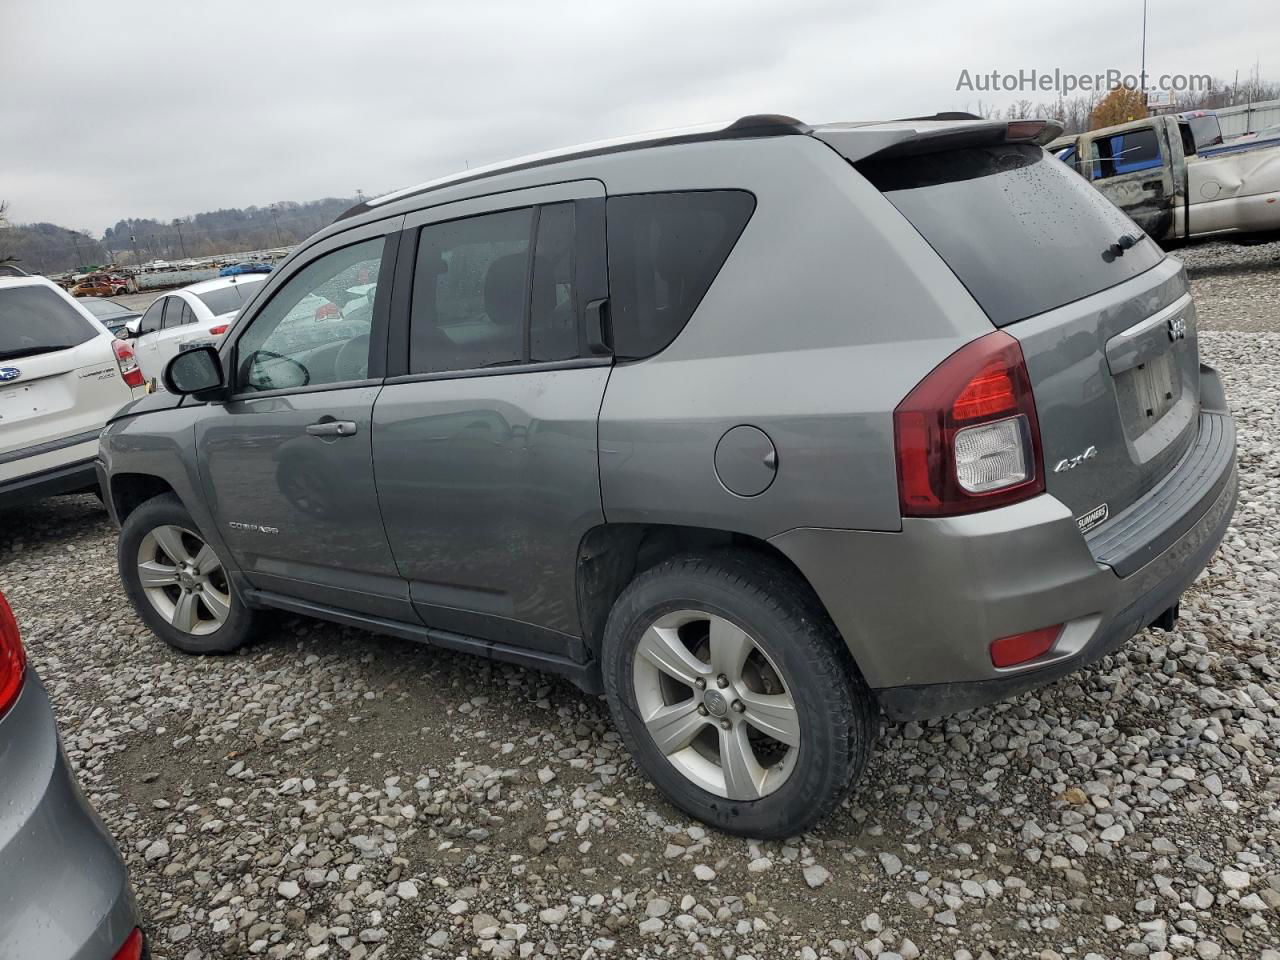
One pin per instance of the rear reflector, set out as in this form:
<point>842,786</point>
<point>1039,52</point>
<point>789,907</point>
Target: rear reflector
<point>132,949</point>
<point>219,330</point>
<point>1021,647</point>
<point>13,659</point>
<point>128,364</point>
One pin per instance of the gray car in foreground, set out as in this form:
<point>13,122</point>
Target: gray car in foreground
<point>760,429</point>
<point>64,893</point>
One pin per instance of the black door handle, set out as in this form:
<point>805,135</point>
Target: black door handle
<point>599,332</point>
<point>332,428</point>
<point>1153,185</point>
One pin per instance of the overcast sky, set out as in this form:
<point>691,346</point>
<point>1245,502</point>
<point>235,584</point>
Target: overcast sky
<point>163,109</point>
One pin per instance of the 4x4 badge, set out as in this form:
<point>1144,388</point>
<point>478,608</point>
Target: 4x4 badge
<point>1070,463</point>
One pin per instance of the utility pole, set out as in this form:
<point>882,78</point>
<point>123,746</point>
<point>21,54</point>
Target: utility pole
<point>137,259</point>
<point>1143,74</point>
<point>177,222</point>
<point>279,239</point>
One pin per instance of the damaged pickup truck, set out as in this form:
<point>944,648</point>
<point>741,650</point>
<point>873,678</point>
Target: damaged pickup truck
<point>1177,179</point>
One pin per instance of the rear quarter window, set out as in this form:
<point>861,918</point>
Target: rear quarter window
<point>1016,226</point>
<point>665,250</point>
<point>35,320</point>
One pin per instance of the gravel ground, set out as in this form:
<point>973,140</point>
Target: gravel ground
<point>331,794</point>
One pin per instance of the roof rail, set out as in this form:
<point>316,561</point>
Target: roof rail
<point>753,125</point>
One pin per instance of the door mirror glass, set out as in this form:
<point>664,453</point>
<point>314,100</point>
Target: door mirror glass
<point>197,370</point>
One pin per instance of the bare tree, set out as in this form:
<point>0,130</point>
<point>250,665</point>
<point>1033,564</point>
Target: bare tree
<point>4,222</point>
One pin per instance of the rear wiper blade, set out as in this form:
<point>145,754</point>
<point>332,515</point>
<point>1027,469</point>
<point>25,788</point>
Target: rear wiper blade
<point>29,351</point>
<point>1118,248</point>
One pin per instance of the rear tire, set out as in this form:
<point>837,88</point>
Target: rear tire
<point>178,583</point>
<point>731,662</point>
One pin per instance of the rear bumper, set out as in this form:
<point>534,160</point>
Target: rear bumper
<point>67,478</point>
<point>63,885</point>
<point>920,608</point>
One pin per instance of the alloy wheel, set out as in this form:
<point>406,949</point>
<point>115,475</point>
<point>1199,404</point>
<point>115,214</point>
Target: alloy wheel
<point>184,580</point>
<point>716,705</point>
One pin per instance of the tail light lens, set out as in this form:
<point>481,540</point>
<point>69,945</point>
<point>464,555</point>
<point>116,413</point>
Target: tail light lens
<point>219,330</point>
<point>967,437</point>
<point>13,659</point>
<point>128,364</point>
<point>132,947</point>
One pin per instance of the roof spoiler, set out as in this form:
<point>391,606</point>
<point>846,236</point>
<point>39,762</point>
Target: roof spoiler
<point>899,139</point>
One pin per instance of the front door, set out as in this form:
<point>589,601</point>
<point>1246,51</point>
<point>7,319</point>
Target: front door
<point>485,447</point>
<point>287,461</point>
<point>1134,170</point>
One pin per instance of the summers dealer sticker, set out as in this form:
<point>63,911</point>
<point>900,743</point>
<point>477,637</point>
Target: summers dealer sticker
<point>1087,521</point>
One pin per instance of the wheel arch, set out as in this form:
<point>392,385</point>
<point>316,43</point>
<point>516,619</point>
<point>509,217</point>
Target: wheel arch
<point>128,491</point>
<point>611,555</point>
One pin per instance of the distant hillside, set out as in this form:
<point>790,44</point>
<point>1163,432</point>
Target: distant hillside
<point>50,248</point>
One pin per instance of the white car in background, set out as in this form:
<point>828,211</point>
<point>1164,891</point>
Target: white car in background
<point>62,376</point>
<point>193,316</point>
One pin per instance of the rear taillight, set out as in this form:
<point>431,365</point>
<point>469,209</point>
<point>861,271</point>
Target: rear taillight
<point>128,364</point>
<point>132,948</point>
<point>13,660</point>
<point>219,330</point>
<point>967,437</point>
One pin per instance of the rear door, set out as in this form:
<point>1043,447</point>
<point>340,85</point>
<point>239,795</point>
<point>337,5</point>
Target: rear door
<point>1106,325</point>
<point>1134,170</point>
<point>59,380</point>
<point>485,443</point>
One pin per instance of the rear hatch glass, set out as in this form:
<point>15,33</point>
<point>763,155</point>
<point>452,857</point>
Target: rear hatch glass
<point>229,298</point>
<point>35,320</point>
<point>1021,231</point>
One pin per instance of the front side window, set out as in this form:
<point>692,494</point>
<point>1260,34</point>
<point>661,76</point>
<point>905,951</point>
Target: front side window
<point>315,329</point>
<point>665,250</point>
<point>150,321</point>
<point>1125,153</point>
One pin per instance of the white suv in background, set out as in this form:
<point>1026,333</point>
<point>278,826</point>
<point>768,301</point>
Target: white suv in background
<point>62,376</point>
<point>195,315</point>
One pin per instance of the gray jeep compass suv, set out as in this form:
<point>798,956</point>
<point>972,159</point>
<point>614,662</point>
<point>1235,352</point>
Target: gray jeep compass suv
<point>758,429</point>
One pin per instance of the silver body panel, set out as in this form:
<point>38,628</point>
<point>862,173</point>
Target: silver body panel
<point>64,892</point>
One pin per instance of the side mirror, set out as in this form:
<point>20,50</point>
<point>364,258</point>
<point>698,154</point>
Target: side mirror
<point>195,371</point>
<point>131,328</point>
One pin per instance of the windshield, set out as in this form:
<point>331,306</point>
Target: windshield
<point>230,298</point>
<point>36,320</point>
<point>1020,230</point>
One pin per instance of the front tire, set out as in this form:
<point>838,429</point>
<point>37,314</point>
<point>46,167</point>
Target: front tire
<point>735,693</point>
<point>177,583</point>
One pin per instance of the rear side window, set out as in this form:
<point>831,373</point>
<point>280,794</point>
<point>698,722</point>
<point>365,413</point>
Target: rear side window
<point>36,320</point>
<point>469,293</point>
<point>1018,229</point>
<point>1125,153</point>
<point>665,249</point>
